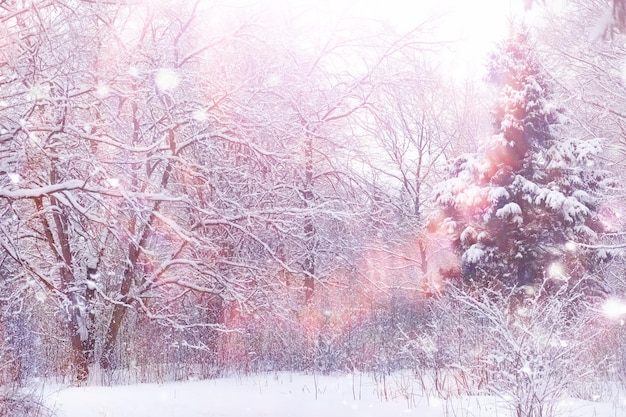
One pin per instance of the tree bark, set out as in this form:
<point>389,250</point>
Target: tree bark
<point>89,344</point>
<point>63,256</point>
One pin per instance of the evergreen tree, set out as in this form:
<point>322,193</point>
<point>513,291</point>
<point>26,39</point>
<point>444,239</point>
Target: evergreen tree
<point>524,209</point>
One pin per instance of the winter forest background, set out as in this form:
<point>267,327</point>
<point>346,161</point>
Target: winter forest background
<point>194,188</point>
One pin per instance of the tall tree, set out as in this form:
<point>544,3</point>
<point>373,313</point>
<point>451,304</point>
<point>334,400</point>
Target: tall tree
<point>525,209</point>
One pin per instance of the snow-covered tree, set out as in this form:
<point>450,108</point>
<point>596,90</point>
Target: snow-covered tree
<point>158,171</point>
<point>525,208</point>
<point>529,357</point>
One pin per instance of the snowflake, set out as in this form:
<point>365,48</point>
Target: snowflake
<point>38,92</point>
<point>166,79</point>
<point>570,246</point>
<point>614,309</point>
<point>556,271</point>
<point>133,71</point>
<point>200,115</point>
<point>113,182</point>
<point>102,90</point>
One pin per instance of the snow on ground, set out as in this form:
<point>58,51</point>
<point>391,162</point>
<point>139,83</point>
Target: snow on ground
<point>286,395</point>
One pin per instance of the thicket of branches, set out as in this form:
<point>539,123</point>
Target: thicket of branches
<point>187,189</point>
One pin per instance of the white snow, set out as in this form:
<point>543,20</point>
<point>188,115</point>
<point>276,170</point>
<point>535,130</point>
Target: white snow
<point>511,210</point>
<point>470,196</point>
<point>555,199</point>
<point>39,191</point>
<point>601,26</point>
<point>468,234</point>
<point>289,395</point>
<point>497,193</point>
<point>92,262</point>
<point>14,178</point>
<point>474,254</point>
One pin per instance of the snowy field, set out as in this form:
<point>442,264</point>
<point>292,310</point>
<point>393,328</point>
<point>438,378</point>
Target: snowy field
<point>289,395</point>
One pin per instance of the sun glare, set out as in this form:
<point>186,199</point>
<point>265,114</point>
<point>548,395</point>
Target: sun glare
<point>474,28</point>
<point>469,29</point>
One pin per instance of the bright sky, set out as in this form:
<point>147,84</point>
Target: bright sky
<point>472,26</point>
<point>475,26</point>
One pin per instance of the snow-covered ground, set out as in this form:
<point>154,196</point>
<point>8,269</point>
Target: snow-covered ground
<point>283,395</point>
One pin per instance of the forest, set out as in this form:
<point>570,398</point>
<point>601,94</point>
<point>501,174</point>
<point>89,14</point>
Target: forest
<point>205,188</point>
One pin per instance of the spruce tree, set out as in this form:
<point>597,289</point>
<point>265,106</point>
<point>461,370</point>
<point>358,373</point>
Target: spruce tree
<point>523,211</point>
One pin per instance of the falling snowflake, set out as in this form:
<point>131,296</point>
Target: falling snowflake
<point>556,271</point>
<point>166,79</point>
<point>40,296</point>
<point>38,92</point>
<point>113,182</point>
<point>200,115</point>
<point>102,90</point>
<point>522,311</point>
<point>614,309</point>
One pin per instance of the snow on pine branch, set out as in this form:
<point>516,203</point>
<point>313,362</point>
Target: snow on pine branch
<point>511,210</point>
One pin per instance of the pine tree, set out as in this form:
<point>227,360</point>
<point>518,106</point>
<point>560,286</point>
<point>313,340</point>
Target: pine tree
<point>523,211</point>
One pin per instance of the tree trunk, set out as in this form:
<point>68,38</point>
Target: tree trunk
<point>63,255</point>
<point>89,344</point>
<point>309,228</point>
<point>134,250</point>
<point>119,310</point>
<point>80,357</point>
